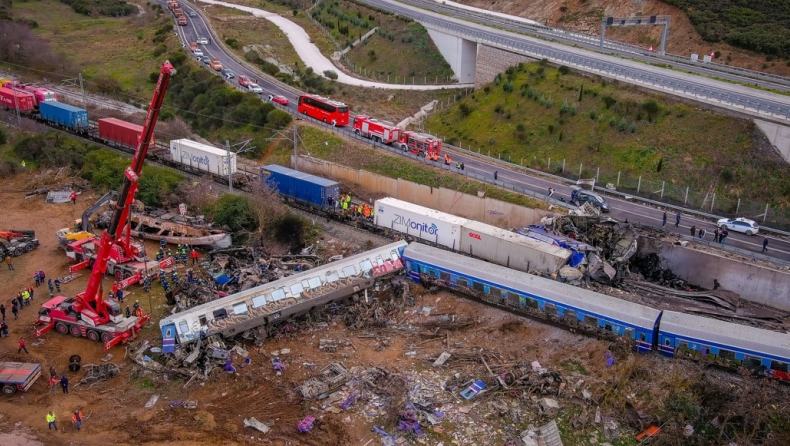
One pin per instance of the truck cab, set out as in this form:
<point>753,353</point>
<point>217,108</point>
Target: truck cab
<point>579,196</point>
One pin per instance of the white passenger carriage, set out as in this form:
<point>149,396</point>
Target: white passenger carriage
<point>275,301</point>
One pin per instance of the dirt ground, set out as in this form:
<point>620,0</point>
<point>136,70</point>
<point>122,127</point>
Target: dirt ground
<point>115,412</point>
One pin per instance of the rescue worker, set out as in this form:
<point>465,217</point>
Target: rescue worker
<point>9,263</point>
<point>458,166</point>
<point>25,298</point>
<point>194,254</point>
<point>51,288</point>
<point>128,311</point>
<point>73,197</point>
<point>162,243</point>
<point>57,285</point>
<point>345,208</point>
<point>51,420</point>
<point>64,383</point>
<point>447,159</point>
<point>76,418</point>
<point>147,284</point>
<point>119,296</point>
<point>159,255</point>
<point>366,211</point>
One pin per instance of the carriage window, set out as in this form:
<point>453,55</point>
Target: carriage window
<point>365,265</point>
<point>278,294</point>
<point>532,302</point>
<point>779,366</point>
<point>379,261</point>
<point>315,282</point>
<point>461,281</point>
<point>296,289</point>
<point>752,362</point>
<point>258,301</point>
<point>349,271</point>
<point>571,315</point>
<point>394,256</point>
<point>683,345</point>
<point>668,342</point>
<point>589,320</point>
<point>219,314</point>
<point>607,327</point>
<point>240,308</point>
<point>477,286</point>
<point>183,326</point>
<point>642,337</point>
<point>444,276</point>
<point>494,291</point>
<point>169,333</point>
<point>435,273</point>
<point>332,276</point>
<point>550,308</point>
<point>202,320</point>
<point>306,285</point>
<point>726,354</point>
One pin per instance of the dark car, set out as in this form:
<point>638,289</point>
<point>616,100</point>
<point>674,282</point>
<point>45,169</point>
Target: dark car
<point>227,74</point>
<point>579,196</point>
<point>206,60</point>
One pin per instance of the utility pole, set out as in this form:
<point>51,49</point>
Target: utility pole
<point>296,150</point>
<point>82,89</point>
<point>16,105</point>
<point>228,163</point>
<point>230,176</point>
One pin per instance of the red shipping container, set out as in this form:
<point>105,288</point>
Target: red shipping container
<point>121,132</point>
<point>25,101</point>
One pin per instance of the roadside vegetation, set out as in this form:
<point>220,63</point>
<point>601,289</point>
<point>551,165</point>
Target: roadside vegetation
<point>762,26</point>
<point>111,8</point>
<point>551,119</point>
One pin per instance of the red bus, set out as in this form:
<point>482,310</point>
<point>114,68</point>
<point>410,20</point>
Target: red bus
<point>324,109</point>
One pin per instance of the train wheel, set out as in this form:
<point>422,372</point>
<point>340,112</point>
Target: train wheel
<point>61,328</point>
<point>75,331</point>
<point>106,337</point>
<point>93,336</point>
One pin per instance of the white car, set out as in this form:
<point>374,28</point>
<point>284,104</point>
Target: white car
<point>255,88</point>
<point>198,53</point>
<point>748,227</point>
<point>202,41</point>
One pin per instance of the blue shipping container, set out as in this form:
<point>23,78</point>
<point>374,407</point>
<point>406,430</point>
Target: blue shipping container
<point>299,185</point>
<point>64,114</point>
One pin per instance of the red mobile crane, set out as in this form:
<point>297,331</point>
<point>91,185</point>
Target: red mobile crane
<point>88,313</point>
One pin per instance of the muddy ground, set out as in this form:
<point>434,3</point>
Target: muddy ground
<point>403,340</point>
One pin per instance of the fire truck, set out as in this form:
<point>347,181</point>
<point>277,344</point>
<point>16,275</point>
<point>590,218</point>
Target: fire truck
<point>379,131</point>
<point>88,313</point>
<point>422,144</point>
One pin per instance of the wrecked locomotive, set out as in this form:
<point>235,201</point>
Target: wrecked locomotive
<point>763,352</point>
<point>277,301</point>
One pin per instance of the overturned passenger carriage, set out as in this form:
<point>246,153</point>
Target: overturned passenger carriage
<point>276,301</point>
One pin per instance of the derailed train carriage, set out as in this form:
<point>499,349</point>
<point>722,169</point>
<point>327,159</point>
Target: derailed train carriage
<point>735,346</point>
<point>277,301</point>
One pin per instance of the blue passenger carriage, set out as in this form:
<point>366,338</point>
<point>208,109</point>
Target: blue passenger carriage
<point>547,299</point>
<point>732,345</point>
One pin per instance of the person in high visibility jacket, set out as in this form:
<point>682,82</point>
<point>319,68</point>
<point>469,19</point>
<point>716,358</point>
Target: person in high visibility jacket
<point>447,159</point>
<point>366,211</point>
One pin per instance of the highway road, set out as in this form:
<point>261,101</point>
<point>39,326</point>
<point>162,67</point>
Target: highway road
<point>621,209</point>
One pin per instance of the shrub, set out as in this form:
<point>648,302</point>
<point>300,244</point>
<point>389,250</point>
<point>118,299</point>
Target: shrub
<point>233,43</point>
<point>609,101</point>
<point>573,110</point>
<point>563,70</point>
<point>530,93</point>
<point>633,127</point>
<point>508,86</point>
<point>236,212</point>
<point>565,107</point>
<point>159,50</point>
<point>465,109</point>
<point>331,74</point>
<point>612,121</point>
<point>521,127</point>
<point>549,103</point>
<point>591,114</point>
<point>651,108</point>
<point>623,125</point>
<point>551,129</point>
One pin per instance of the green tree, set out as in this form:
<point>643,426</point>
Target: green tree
<point>609,101</point>
<point>651,108</point>
<point>236,212</point>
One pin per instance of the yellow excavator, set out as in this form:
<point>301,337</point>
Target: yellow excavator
<point>82,227</point>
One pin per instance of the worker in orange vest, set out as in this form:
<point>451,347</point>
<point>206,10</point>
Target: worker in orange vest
<point>447,159</point>
<point>366,211</point>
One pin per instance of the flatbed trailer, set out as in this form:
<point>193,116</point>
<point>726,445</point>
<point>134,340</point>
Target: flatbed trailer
<point>18,376</point>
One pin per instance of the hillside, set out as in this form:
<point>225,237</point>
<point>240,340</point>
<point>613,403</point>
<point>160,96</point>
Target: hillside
<point>684,39</point>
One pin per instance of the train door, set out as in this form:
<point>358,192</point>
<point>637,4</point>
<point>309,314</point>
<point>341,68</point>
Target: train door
<point>169,338</point>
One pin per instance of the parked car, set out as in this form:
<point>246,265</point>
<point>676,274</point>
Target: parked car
<point>198,53</point>
<point>244,80</point>
<point>748,227</point>
<point>202,40</point>
<point>255,88</point>
<point>227,74</point>
<point>579,196</point>
<point>206,60</point>
<point>282,100</point>
<point>193,46</point>
<point>216,65</point>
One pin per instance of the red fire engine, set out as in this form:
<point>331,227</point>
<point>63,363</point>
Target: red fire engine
<point>421,144</point>
<point>379,131</point>
<point>88,313</point>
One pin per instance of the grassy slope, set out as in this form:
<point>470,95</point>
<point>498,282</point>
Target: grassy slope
<point>700,149</point>
<point>119,48</point>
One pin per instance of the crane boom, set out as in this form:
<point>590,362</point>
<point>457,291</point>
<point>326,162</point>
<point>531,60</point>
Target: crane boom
<point>90,303</point>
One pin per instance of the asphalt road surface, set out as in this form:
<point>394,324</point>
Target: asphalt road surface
<point>620,209</point>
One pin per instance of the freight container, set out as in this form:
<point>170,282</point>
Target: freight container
<point>202,157</point>
<point>17,99</point>
<point>299,185</point>
<point>419,222</point>
<point>511,249</point>
<point>66,115</point>
<point>121,132</point>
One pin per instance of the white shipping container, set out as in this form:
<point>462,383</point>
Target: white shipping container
<point>202,157</point>
<point>511,249</point>
<point>419,222</point>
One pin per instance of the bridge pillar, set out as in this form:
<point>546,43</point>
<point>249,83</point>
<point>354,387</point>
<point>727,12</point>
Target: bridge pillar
<point>460,53</point>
